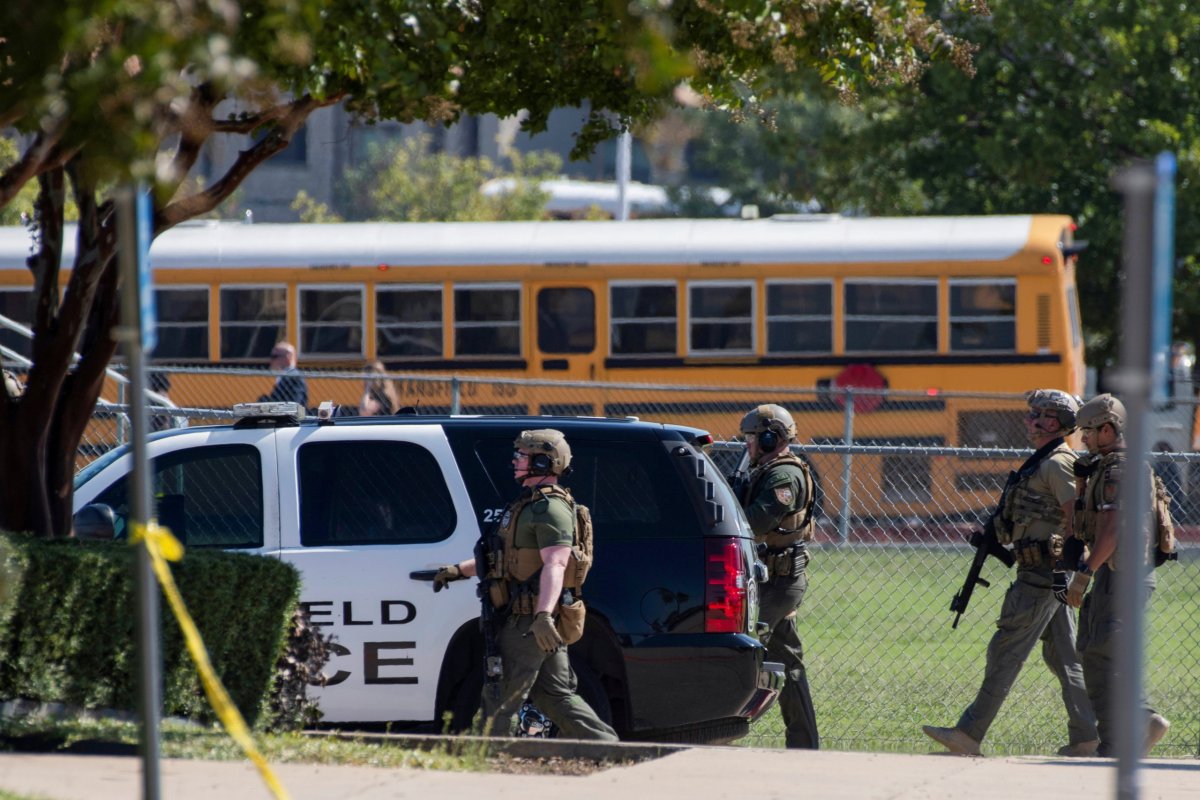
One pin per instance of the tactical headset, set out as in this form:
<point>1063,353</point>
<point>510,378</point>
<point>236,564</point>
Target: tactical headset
<point>769,439</point>
<point>540,462</point>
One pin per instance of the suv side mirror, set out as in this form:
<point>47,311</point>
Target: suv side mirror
<point>94,523</point>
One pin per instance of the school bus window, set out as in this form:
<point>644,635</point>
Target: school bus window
<point>408,321</point>
<point>799,317</point>
<point>992,428</point>
<point>17,305</point>
<point>331,320</point>
<point>487,320</point>
<point>898,316</point>
<point>644,319</point>
<point>253,319</point>
<point>182,324</point>
<point>720,317</point>
<point>566,320</point>
<point>907,479</point>
<point>983,314</point>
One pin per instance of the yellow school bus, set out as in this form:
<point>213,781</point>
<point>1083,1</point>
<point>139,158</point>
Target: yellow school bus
<point>931,305</point>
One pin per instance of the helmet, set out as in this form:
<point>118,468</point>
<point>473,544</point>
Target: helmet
<point>1101,409</point>
<point>549,453</point>
<point>1054,400</point>
<point>772,423</point>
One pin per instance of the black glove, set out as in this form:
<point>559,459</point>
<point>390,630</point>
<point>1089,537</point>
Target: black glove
<point>446,575</point>
<point>1060,586</point>
<point>1161,558</point>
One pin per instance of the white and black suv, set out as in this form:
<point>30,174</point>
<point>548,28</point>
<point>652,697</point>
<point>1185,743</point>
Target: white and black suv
<point>357,504</point>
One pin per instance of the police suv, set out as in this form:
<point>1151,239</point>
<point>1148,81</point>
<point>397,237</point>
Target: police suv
<point>358,505</point>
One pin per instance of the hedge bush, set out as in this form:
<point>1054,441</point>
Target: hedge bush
<point>68,619</point>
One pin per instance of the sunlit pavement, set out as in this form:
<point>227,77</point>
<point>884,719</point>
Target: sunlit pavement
<point>711,772</point>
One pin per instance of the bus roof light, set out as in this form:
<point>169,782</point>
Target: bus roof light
<point>932,391</point>
<point>1047,260</point>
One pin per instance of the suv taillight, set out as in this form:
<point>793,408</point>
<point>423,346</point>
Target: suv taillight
<point>725,588</point>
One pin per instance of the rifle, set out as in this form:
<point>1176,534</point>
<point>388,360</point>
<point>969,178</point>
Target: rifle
<point>490,617</point>
<point>985,541</point>
<point>985,544</point>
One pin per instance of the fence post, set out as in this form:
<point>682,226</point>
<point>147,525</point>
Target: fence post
<point>123,419</point>
<point>455,396</point>
<point>847,462</point>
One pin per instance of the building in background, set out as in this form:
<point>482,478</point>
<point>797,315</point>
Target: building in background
<point>332,140</point>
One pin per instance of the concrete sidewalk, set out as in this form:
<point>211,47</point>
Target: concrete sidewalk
<point>702,772</point>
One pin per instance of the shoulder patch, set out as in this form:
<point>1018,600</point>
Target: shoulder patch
<point>784,495</point>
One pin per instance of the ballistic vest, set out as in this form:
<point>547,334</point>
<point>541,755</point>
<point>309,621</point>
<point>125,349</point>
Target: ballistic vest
<point>520,564</point>
<point>1029,513</point>
<point>1108,471</point>
<point>797,525</point>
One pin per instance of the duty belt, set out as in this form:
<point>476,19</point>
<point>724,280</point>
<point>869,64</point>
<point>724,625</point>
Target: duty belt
<point>778,539</point>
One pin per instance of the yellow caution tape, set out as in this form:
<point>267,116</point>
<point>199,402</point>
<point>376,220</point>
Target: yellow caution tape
<point>162,546</point>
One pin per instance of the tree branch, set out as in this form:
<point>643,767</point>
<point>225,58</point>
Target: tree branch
<point>46,262</point>
<point>195,126</point>
<point>293,116</point>
<point>32,162</point>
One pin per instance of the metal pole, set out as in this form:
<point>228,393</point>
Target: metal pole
<point>624,167</point>
<point>1163,274</point>
<point>1137,184</point>
<point>123,418</point>
<point>847,462</point>
<point>455,396</point>
<point>149,658</point>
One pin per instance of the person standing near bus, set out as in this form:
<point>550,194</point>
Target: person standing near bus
<point>379,398</point>
<point>290,386</point>
<point>1102,420</point>
<point>1035,512</point>
<point>778,500</point>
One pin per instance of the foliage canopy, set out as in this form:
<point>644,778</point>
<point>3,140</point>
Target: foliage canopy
<point>1064,95</point>
<point>107,91</point>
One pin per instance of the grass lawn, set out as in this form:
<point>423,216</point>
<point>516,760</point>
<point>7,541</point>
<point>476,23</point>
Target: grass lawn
<point>883,660</point>
<point>182,740</point>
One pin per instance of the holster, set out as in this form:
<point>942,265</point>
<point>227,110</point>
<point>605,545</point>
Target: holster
<point>786,561</point>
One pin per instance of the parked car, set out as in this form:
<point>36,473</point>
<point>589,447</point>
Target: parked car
<point>670,650</point>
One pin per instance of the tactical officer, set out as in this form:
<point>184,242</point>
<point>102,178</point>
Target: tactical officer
<point>1102,420</point>
<point>537,530</point>
<point>778,500</point>
<point>1033,515</point>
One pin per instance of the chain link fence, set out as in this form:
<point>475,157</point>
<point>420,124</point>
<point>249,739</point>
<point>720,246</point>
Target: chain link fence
<point>902,481</point>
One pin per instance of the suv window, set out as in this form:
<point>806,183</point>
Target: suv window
<point>372,493</point>
<point>616,480</point>
<point>208,496</point>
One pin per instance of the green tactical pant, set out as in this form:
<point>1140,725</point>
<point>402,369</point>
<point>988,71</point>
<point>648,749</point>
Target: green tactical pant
<point>778,598</point>
<point>546,678</point>
<point>1098,625</point>
<point>1031,612</point>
